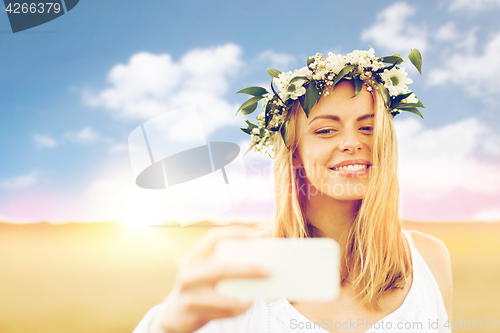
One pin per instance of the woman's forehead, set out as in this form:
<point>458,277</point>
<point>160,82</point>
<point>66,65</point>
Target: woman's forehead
<point>341,104</point>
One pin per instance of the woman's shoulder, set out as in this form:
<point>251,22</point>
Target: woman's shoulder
<point>437,257</point>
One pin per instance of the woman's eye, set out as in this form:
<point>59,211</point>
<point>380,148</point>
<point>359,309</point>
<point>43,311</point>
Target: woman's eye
<point>367,128</point>
<point>325,131</point>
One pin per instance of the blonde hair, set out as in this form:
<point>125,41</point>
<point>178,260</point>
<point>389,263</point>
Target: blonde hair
<point>374,253</point>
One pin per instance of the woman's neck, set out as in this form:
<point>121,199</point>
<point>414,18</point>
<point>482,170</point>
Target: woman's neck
<point>331,218</point>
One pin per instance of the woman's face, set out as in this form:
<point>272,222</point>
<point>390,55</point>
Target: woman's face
<point>335,145</point>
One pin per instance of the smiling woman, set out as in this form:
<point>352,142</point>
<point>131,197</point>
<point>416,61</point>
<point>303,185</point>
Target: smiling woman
<point>335,172</point>
<point>343,131</point>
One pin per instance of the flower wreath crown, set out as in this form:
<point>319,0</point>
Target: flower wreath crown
<point>319,77</point>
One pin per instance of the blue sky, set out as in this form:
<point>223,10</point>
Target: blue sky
<point>74,88</point>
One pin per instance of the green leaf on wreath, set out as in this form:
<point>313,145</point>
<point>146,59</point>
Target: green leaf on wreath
<point>251,126</point>
<point>297,78</point>
<point>395,58</point>
<point>311,97</point>
<point>310,60</point>
<point>246,130</point>
<point>410,105</point>
<point>267,113</point>
<point>413,110</point>
<point>254,91</point>
<point>405,107</point>
<point>248,105</point>
<point>346,70</point>
<point>273,72</point>
<point>385,94</point>
<point>397,99</point>
<point>249,109</point>
<point>416,59</point>
<point>358,85</point>
<point>283,130</point>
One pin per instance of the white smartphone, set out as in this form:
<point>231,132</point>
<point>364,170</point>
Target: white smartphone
<point>303,269</point>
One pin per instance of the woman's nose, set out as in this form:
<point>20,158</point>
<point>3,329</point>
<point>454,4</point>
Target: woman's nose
<point>350,142</point>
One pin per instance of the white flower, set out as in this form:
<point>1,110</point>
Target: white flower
<point>295,89</point>
<point>298,92</point>
<point>304,71</point>
<point>321,71</point>
<point>363,56</point>
<point>396,76</point>
<point>282,81</point>
<point>256,131</point>
<point>335,63</point>
<point>394,91</point>
<point>376,65</point>
<point>411,99</point>
<point>395,80</point>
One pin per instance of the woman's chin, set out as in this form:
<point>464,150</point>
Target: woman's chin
<point>347,197</point>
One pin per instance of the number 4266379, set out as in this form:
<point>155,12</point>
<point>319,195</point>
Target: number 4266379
<point>40,8</point>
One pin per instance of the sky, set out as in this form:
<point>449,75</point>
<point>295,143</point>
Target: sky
<point>73,89</point>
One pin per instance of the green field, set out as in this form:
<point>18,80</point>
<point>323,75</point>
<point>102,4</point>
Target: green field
<point>100,277</point>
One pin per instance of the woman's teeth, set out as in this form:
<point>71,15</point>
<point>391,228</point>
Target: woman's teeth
<point>352,167</point>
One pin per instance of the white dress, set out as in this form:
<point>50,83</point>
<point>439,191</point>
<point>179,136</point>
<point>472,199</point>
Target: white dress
<point>423,310</point>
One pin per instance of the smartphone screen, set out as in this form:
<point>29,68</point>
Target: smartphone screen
<point>304,269</point>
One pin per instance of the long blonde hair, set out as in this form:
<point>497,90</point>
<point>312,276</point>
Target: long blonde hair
<point>374,254</point>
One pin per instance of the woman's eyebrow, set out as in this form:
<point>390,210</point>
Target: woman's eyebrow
<point>327,116</point>
<point>370,115</point>
<point>332,117</point>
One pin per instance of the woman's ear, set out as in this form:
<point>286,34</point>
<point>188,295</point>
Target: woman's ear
<point>297,163</point>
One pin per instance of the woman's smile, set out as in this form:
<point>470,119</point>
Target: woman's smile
<point>360,173</point>
<point>352,168</point>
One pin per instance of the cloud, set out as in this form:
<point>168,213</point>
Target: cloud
<point>273,59</point>
<point>476,73</point>
<point>44,141</point>
<point>473,5</point>
<point>394,33</point>
<point>462,155</point>
<point>118,148</point>
<point>86,135</point>
<point>152,84</point>
<point>447,32</point>
<point>19,181</point>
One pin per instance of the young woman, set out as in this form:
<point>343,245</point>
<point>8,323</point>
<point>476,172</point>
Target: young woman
<point>335,169</point>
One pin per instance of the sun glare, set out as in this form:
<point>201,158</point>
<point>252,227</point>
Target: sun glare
<point>139,226</point>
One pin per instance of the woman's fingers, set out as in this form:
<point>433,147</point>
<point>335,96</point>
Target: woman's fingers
<point>214,305</point>
<point>210,272</point>
<point>190,311</point>
<point>204,247</point>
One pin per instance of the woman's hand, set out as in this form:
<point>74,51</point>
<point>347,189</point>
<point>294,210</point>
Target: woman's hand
<point>193,301</point>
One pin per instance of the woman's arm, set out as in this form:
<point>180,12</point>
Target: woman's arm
<point>437,257</point>
<point>193,302</point>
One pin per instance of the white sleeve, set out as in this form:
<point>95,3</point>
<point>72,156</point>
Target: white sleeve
<point>143,326</point>
<point>145,323</point>
<point>251,321</point>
